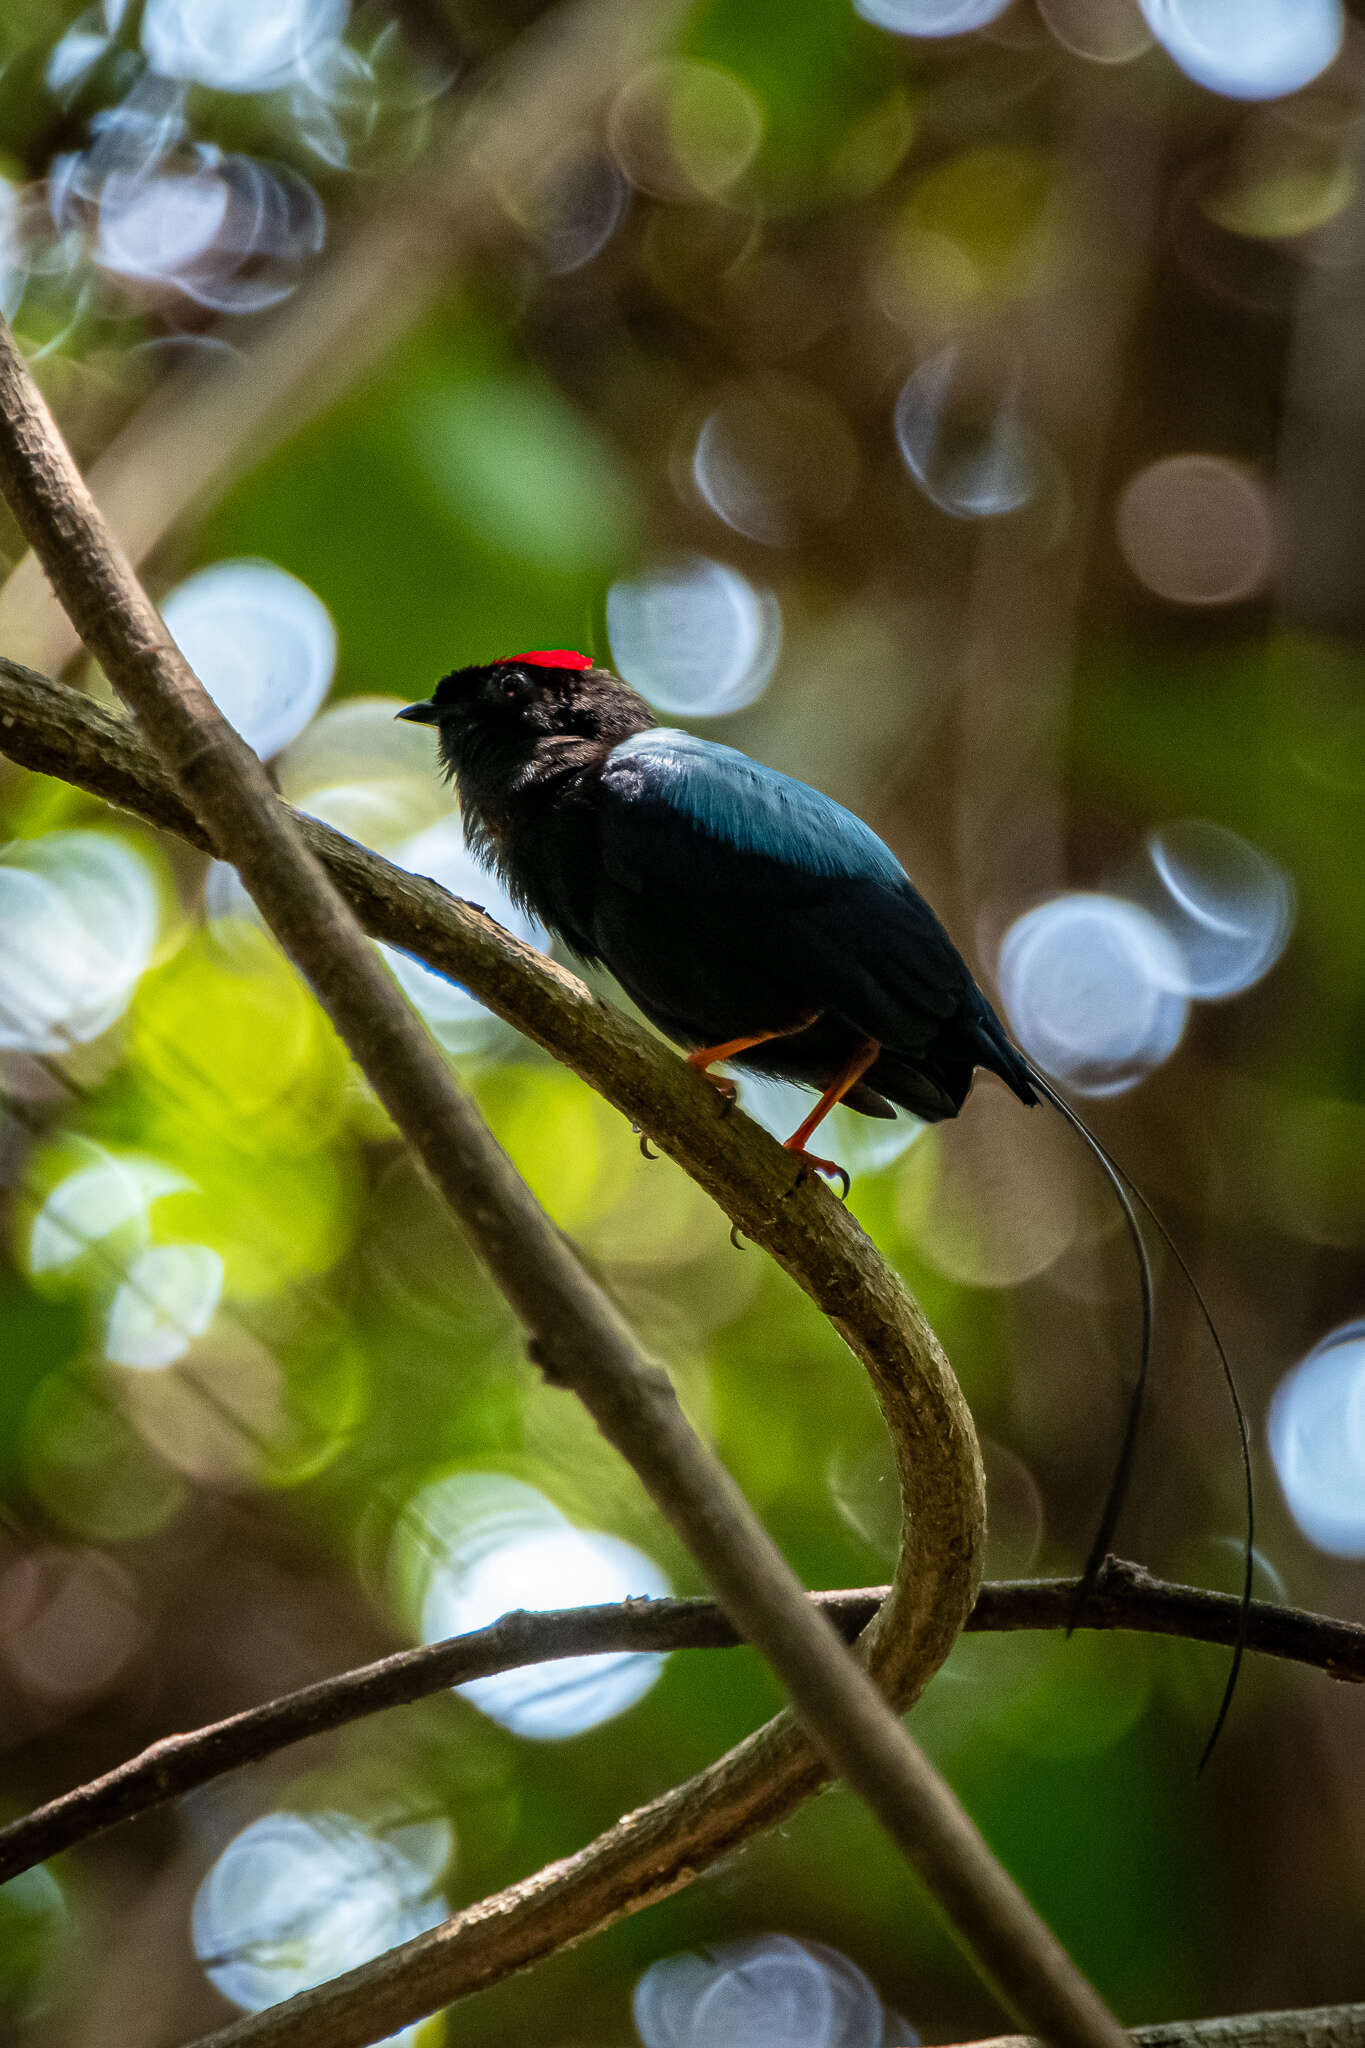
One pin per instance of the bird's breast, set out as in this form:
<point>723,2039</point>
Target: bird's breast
<point>545,847</point>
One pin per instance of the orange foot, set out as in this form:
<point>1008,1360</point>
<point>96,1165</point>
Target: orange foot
<point>810,1162</point>
<point>708,1056</point>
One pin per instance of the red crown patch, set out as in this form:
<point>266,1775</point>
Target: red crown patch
<point>548,657</point>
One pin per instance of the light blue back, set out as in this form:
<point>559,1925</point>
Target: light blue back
<point>756,809</point>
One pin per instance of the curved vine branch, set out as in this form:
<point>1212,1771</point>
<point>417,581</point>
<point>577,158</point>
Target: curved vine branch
<point>660,1848</point>
<point>581,1342</point>
<point>1126,1597</point>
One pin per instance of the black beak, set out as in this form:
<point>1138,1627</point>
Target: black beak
<point>425,713</point>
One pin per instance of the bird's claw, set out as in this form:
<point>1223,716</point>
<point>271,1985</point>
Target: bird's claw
<point>736,1237</point>
<point>810,1162</point>
<point>645,1150</point>
<point>726,1090</point>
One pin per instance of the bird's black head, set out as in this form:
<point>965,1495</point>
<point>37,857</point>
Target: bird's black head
<point>497,720</point>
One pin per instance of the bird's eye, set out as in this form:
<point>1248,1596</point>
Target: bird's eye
<point>513,685</point>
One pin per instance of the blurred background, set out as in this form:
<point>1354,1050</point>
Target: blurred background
<point>957,405</point>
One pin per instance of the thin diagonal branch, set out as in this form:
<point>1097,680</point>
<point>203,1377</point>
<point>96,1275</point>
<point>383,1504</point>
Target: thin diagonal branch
<point>574,1330</point>
<point>1317,2026</point>
<point>1127,1597</point>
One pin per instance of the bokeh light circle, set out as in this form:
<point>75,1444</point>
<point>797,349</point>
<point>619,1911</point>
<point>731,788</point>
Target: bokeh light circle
<point>80,913</point>
<point>768,1991</point>
<point>694,636</point>
<point>477,1545</point>
<point>364,110</point>
<point>167,1298</point>
<point>1091,986</point>
<point>13,254</point>
<point>86,1466</point>
<point>107,1197</point>
<point>226,231</point>
<point>775,458</point>
<point>1103,31</point>
<point>154,227</point>
<point>238,45</point>
<point>262,644</point>
<point>1197,530</point>
<point>366,772</point>
<point>218,1413</point>
<point>297,1898</point>
<point>167,213</point>
<point>69,1621</point>
<point>1228,906</point>
<point>864,1490</point>
<point>930,17</point>
<point>1250,50</point>
<point>980,1205</point>
<point>75,53</point>
<point>681,129</point>
<point>243,1062</point>
<point>457,1019</point>
<point>1317,1442</point>
<point>972,464</point>
<point>573,211</point>
<point>129,140</point>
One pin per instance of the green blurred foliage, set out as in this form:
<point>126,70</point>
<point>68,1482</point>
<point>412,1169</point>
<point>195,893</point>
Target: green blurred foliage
<point>1014,708</point>
<point>459,503</point>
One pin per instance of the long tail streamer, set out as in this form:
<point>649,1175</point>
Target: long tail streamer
<point>1127,1193</point>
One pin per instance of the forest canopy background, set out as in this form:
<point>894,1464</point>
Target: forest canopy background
<point>968,424</point>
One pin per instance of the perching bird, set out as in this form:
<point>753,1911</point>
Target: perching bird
<point>752,919</point>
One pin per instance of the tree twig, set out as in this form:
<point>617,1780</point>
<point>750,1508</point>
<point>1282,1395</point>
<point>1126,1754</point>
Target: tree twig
<point>1318,2026</point>
<point>574,1331</point>
<point>1127,1597</point>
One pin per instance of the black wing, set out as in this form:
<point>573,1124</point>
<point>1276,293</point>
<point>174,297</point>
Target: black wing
<point>726,885</point>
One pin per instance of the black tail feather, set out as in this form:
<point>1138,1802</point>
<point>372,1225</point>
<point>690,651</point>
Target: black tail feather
<point>1244,1442</point>
<point>995,1051</point>
<point>1118,1485</point>
<point>1123,1185</point>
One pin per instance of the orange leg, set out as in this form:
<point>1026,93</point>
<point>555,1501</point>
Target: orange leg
<point>838,1088</point>
<point>708,1055</point>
